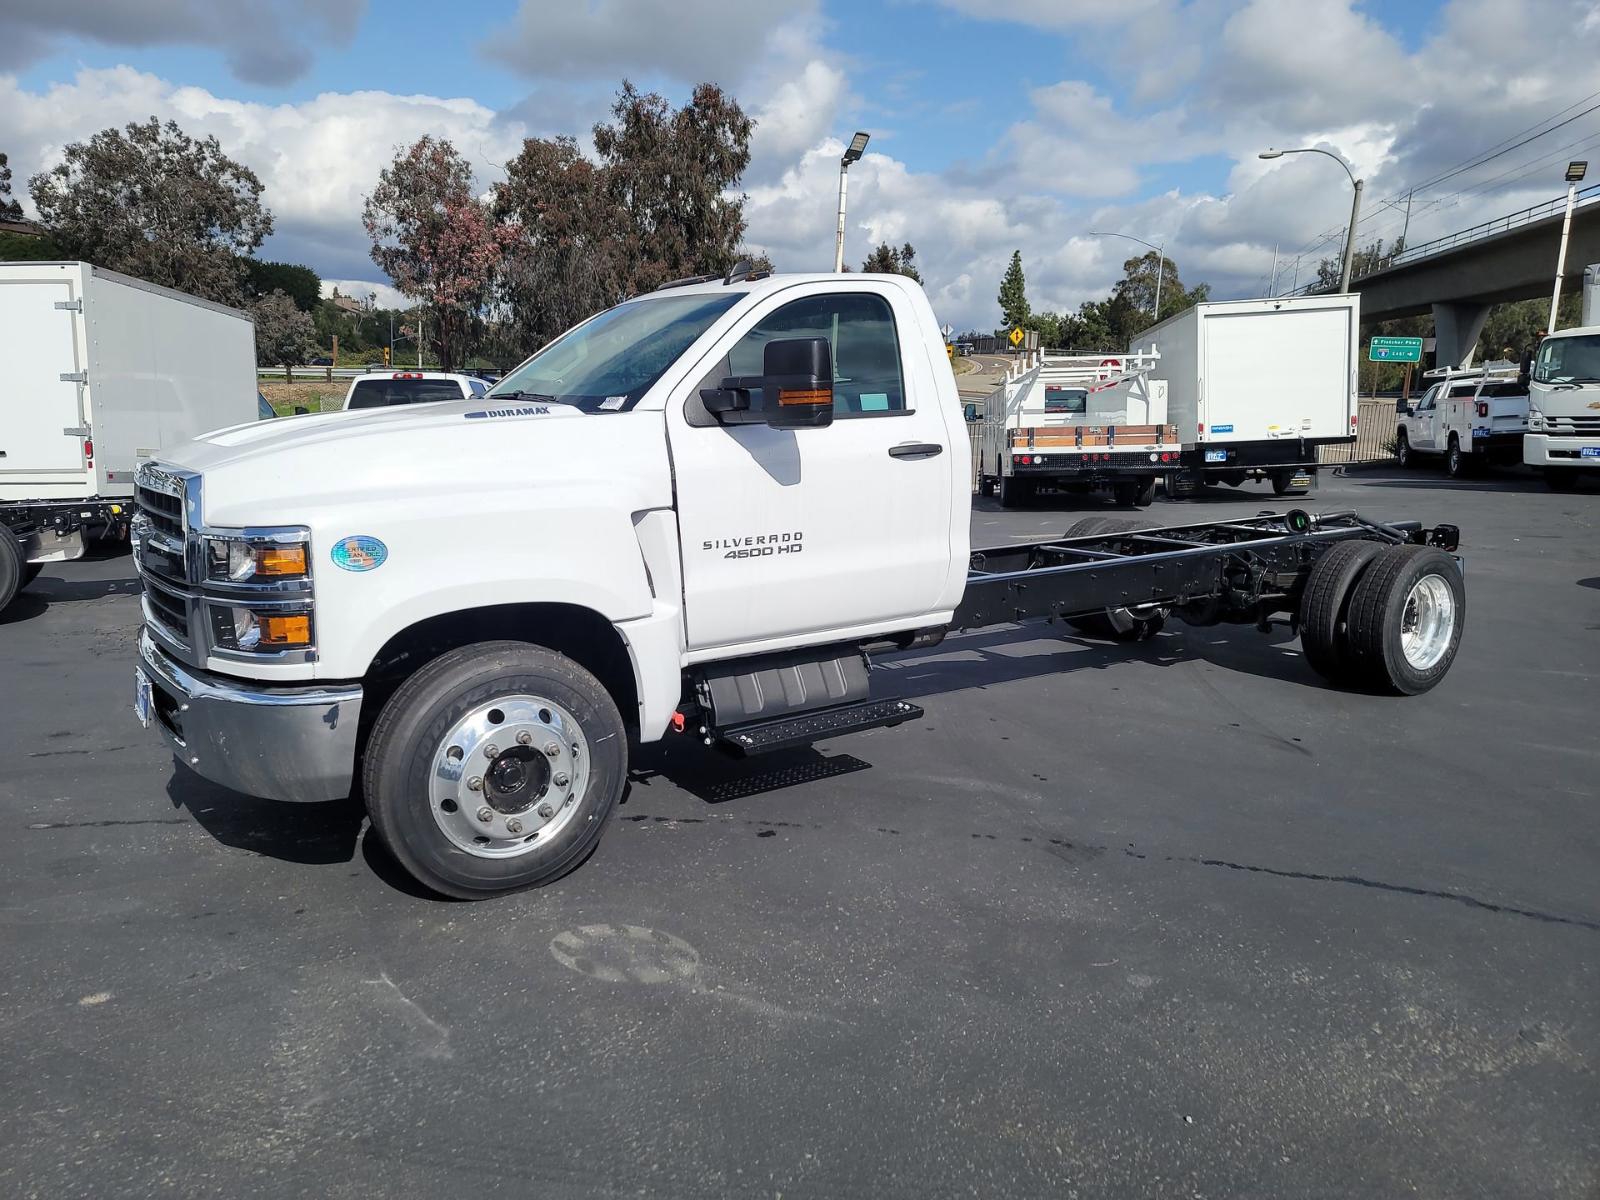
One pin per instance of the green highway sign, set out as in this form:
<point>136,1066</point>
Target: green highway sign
<point>1395,349</point>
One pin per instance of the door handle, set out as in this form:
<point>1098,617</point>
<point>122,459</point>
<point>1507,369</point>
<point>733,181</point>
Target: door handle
<point>915,450</point>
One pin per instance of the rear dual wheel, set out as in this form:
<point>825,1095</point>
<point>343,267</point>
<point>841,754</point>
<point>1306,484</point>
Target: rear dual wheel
<point>1389,618</point>
<point>1135,493</point>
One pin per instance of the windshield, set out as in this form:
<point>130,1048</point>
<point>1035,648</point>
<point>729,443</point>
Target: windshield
<point>607,363</point>
<point>1569,360</point>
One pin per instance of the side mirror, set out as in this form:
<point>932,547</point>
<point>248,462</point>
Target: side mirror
<point>972,412</point>
<point>1402,408</point>
<point>796,383</point>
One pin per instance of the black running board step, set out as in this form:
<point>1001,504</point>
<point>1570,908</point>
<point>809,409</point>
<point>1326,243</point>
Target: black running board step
<point>762,737</point>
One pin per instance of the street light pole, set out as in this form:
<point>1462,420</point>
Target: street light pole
<point>1161,263</point>
<point>1575,173</point>
<point>1355,204</point>
<point>852,153</point>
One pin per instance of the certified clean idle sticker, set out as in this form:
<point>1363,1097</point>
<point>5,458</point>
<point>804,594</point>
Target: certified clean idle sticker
<point>359,553</point>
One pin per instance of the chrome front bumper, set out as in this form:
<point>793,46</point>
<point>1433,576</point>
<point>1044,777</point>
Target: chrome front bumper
<point>283,743</point>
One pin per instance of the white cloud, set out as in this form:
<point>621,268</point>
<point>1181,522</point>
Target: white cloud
<point>688,40</point>
<point>317,159</point>
<point>264,41</point>
<point>1208,82</point>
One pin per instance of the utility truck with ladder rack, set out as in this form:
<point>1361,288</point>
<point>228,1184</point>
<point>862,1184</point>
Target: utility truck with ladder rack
<point>1078,422</point>
<point>698,514</point>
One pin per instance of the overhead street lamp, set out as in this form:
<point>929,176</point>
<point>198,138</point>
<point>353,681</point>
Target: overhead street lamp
<point>852,153</point>
<point>1355,203</point>
<point>1161,262</point>
<point>1575,173</point>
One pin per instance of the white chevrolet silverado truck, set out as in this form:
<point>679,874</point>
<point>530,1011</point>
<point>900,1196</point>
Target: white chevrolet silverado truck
<point>697,514</point>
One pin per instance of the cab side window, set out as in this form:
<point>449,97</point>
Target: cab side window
<point>860,328</point>
<point>1426,402</point>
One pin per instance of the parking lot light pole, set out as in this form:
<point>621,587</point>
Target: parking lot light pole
<point>1355,204</point>
<point>1575,174</point>
<point>1161,264</point>
<point>852,153</point>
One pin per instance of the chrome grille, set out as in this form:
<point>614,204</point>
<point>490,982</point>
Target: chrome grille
<point>165,512</point>
<point>1572,426</point>
<point>169,607</point>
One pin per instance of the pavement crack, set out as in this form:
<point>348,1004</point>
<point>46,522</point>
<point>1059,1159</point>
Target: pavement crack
<point>1400,888</point>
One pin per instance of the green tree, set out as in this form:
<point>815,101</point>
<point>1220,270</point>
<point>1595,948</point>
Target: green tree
<point>285,336</point>
<point>1014,293</point>
<point>152,202</point>
<point>1369,258</point>
<point>1049,327</point>
<point>10,210</point>
<point>437,241</point>
<point>564,259</point>
<point>1138,288</point>
<point>300,284</point>
<point>888,260</point>
<point>669,174</point>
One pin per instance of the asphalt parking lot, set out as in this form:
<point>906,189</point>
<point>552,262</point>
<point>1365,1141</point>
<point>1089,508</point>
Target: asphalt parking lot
<point>1164,920</point>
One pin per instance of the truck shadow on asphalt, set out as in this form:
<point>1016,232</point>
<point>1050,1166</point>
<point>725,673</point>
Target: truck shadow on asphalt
<point>43,592</point>
<point>330,834</point>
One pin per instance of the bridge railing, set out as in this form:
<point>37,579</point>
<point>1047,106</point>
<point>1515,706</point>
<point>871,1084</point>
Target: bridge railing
<point>1526,216</point>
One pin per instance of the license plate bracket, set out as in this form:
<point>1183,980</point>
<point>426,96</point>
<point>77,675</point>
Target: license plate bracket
<point>143,701</point>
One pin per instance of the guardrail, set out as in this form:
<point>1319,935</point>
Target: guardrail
<point>1484,229</point>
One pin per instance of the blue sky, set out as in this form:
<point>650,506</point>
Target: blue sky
<point>989,134</point>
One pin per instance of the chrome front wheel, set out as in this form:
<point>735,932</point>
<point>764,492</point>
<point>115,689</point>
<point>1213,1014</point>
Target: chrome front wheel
<point>508,773</point>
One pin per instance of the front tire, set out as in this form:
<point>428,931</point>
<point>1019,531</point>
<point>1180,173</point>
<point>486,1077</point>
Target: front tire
<point>1561,479</point>
<point>1404,455</point>
<point>493,768</point>
<point>985,485</point>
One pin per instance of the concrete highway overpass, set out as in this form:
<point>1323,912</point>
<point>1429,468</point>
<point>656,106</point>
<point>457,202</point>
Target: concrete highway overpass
<point>1457,278</point>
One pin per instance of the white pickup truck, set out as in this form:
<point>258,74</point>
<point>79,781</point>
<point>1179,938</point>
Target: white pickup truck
<point>696,514</point>
<point>1469,418</point>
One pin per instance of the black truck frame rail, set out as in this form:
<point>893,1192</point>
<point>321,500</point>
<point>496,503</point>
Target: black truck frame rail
<point>1115,579</point>
<point>1211,571</point>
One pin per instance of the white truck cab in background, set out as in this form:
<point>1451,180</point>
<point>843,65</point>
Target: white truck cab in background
<point>1564,408</point>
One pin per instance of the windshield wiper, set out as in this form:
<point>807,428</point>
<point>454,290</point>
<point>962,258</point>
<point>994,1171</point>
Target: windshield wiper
<point>541,397</point>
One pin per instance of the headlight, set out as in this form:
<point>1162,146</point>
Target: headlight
<point>238,627</point>
<point>244,560</point>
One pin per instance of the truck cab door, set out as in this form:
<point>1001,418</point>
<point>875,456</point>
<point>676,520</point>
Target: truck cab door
<point>1423,433</point>
<point>796,534</point>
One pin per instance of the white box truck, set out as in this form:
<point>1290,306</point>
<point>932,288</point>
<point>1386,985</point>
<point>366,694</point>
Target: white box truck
<point>101,372</point>
<point>1255,386</point>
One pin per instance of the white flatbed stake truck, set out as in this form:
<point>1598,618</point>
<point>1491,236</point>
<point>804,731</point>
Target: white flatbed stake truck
<point>102,372</point>
<point>1078,422</point>
<point>696,514</point>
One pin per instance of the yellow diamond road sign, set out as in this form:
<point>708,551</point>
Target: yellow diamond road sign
<point>1016,335</point>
